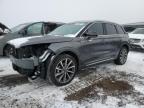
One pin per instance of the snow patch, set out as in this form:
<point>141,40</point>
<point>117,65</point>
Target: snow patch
<point>139,88</point>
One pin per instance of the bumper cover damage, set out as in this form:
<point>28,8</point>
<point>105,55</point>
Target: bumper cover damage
<point>30,66</point>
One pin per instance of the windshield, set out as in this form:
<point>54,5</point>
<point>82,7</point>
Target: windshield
<point>68,30</point>
<point>138,31</point>
<point>19,27</point>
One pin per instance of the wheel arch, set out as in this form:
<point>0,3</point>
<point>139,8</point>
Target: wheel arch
<point>71,53</point>
<point>127,46</point>
<point>54,56</point>
<point>4,49</point>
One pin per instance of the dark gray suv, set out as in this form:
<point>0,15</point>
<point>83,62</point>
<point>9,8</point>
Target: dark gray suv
<point>69,48</point>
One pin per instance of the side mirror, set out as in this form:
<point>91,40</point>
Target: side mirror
<point>23,32</point>
<point>90,34</point>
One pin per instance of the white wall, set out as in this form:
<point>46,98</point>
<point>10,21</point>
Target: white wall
<point>13,12</point>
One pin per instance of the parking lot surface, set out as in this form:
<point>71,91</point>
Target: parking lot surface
<point>105,85</point>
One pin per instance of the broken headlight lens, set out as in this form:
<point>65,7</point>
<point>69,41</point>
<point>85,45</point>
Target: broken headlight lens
<point>26,52</point>
<point>35,50</point>
<point>38,50</point>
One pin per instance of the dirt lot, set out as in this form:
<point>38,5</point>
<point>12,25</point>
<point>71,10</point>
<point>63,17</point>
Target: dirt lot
<point>105,85</point>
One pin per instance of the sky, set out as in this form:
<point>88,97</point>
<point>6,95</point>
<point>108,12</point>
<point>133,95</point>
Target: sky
<point>14,12</point>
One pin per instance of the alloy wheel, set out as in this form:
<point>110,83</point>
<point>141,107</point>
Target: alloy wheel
<point>123,55</point>
<point>65,70</point>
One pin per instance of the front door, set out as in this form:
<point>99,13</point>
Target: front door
<point>92,47</point>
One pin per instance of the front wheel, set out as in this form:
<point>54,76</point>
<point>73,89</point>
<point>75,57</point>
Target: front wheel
<point>7,50</point>
<point>62,70</point>
<point>122,57</point>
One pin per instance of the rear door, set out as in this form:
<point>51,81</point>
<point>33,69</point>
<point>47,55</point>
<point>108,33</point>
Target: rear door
<point>122,34</point>
<point>112,40</point>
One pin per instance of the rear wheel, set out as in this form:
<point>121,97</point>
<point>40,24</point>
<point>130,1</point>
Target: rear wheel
<point>63,70</point>
<point>122,57</point>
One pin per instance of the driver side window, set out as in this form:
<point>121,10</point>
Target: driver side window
<point>96,28</point>
<point>35,29</point>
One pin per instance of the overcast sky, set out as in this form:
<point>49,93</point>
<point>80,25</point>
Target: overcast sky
<point>13,12</point>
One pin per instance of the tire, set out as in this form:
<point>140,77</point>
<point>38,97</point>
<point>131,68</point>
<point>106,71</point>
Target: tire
<point>7,50</point>
<point>122,57</point>
<point>62,70</point>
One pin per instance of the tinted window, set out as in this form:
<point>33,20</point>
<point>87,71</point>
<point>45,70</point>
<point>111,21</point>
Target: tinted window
<point>49,27</point>
<point>35,29</point>
<point>119,29</point>
<point>129,29</point>
<point>96,28</point>
<point>110,28</point>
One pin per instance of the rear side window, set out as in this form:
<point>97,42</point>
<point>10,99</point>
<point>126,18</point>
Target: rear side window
<point>119,29</point>
<point>96,28</point>
<point>48,27</point>
<point>110,29</point>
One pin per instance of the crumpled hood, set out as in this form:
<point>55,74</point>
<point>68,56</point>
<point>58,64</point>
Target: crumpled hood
<point>136,36</point>
<point>20,42</point>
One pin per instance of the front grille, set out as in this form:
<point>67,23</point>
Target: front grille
<point>135,40</point>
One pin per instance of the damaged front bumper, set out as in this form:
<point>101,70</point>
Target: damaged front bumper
<point>29,66</point>
<point>27,63</point>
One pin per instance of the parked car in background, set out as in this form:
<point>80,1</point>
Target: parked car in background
<point>26,30</point>
<point>3,29</point>
<point>132,26</point>
<point>69,48</point>
<point>137,38</point>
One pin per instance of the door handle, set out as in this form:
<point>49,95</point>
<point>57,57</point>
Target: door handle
<point>90,40</point>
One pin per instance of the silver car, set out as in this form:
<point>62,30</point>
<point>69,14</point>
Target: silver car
<point>25,30</point>
<point>137,38</point>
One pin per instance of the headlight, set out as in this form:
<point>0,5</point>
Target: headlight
<point>26,52</point>
<point>35,50</point>
<point>38,50</point>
